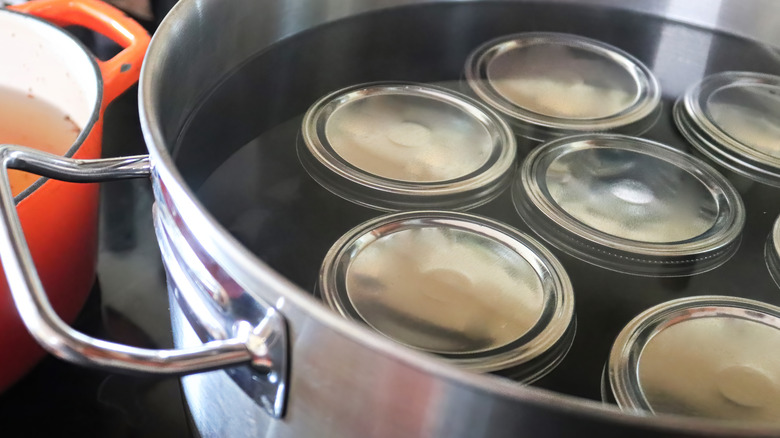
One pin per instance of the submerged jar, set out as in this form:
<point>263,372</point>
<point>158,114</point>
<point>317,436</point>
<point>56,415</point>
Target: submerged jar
<point>630,205</point>
<point>403,146</point>
<point>772,252</point>
<point>471,290</point>
<point>733,118</point>
<point>551,84</point>
<point>705,356</point>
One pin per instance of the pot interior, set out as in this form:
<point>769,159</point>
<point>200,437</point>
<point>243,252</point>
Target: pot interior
<point>46,63</point>
<point>237,149</point>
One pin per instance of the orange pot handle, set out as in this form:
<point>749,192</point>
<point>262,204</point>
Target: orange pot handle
<point>120,72</point>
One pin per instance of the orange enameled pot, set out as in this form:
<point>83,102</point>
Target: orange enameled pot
<point>47,63</point>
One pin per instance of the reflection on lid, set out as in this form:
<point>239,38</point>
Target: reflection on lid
<point>629,204</point>
<point>772,252</point>
<point>444,290</point>
<point>403,146</point>
<point>552,84</point>
<point>408,138</point>
<point>749,114</point>
<point>467,288</point>
<point>703,356</point>
<point>631,195</point>
<point>716,367</point>
<point>734,119</point>
<point>564,82</point>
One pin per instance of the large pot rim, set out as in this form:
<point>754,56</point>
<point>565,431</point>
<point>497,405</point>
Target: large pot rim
<point>94,116</point>
<point>248,270</point>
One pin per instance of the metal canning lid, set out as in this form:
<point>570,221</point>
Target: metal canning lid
<point>400,146</point>
<point>469,289</point>
<point>552,84</point>
<point>706,356</point>
<point>629,204</point>
<point>734,119</point>
<point>773,252</point>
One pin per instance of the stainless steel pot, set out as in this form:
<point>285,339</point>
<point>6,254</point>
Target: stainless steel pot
<point>293,368</point>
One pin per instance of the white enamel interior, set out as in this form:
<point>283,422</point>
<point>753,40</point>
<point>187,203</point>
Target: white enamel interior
<point>41,60</point>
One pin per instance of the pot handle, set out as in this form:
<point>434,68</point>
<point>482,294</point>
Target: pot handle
<point>263,346</point>
<point>120,72</point>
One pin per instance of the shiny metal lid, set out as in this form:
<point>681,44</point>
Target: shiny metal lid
<point>400,146</point>
<point>772,252</point>
<point>734,119</point>
<point>552,84</point>
<point>474,291</point>
<point>706,356</point>
<point>629,204</point>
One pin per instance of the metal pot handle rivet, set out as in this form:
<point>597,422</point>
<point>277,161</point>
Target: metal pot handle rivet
<point>263,346</point>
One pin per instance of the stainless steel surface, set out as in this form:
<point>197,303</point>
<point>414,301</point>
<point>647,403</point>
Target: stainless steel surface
<point>733,118</point>
<point>708,356</point>
<point>474,291</point>
<point>247,346</point>
<point>344,379</point>
<point>553,84</point>
<point>399,146</point>
<point>630,204</point>
<point>206,303</point>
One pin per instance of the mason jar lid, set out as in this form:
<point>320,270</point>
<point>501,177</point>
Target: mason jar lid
<point>469,289</point>
<point>399,146</point>
<point>773,252</point>
<point>629,204</point>
<point>553,84</point>
<point>734,119</point>
<point>705,356</point>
